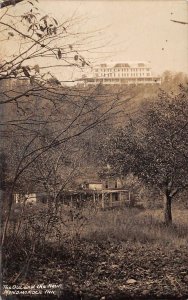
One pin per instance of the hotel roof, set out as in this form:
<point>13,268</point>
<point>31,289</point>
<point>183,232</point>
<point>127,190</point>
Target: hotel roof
<point>128,64</point>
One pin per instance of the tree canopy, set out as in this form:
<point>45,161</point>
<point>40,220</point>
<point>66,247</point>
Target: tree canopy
<point>154,144</point>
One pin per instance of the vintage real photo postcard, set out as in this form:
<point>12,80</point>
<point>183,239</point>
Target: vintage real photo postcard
<point>94,149</point>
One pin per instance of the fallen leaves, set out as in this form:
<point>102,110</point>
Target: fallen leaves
<point>108,270</point>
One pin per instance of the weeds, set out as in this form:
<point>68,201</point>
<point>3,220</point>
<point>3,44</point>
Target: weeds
<point>133,225</point>
<point>81,234</point>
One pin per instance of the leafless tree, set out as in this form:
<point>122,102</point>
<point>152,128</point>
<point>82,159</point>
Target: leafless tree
<point>39,112</point>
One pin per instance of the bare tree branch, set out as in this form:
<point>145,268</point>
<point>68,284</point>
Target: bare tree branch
<point>6,3</point>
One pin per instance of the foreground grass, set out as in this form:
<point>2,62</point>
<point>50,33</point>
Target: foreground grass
<point>125,254</point>
<point>139,226</point>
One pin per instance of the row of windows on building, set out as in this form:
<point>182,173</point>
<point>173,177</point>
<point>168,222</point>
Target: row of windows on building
<point>122,74</point>
<point>122,69</point>
<point>125,80</point>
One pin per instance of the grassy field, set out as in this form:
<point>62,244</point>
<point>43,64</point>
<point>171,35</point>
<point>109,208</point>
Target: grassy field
<point>142,226</point>
<point>136,226</point>
<point>112,254</point>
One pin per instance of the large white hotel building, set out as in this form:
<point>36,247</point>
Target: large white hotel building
<point>121,73</point>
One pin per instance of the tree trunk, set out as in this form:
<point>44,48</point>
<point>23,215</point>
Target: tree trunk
<point>7,219</point>
<point>168,209</point>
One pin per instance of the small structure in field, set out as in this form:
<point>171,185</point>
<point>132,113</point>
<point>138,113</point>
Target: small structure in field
<point>102,194</point>
<point>25,198</point>
<point>99,194</point>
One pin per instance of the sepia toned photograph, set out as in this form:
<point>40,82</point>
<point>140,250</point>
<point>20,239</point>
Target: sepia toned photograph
<point>94,149</point>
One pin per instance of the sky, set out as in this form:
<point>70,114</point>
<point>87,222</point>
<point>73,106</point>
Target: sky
<point>134,30</point>
<point>125,30</point>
